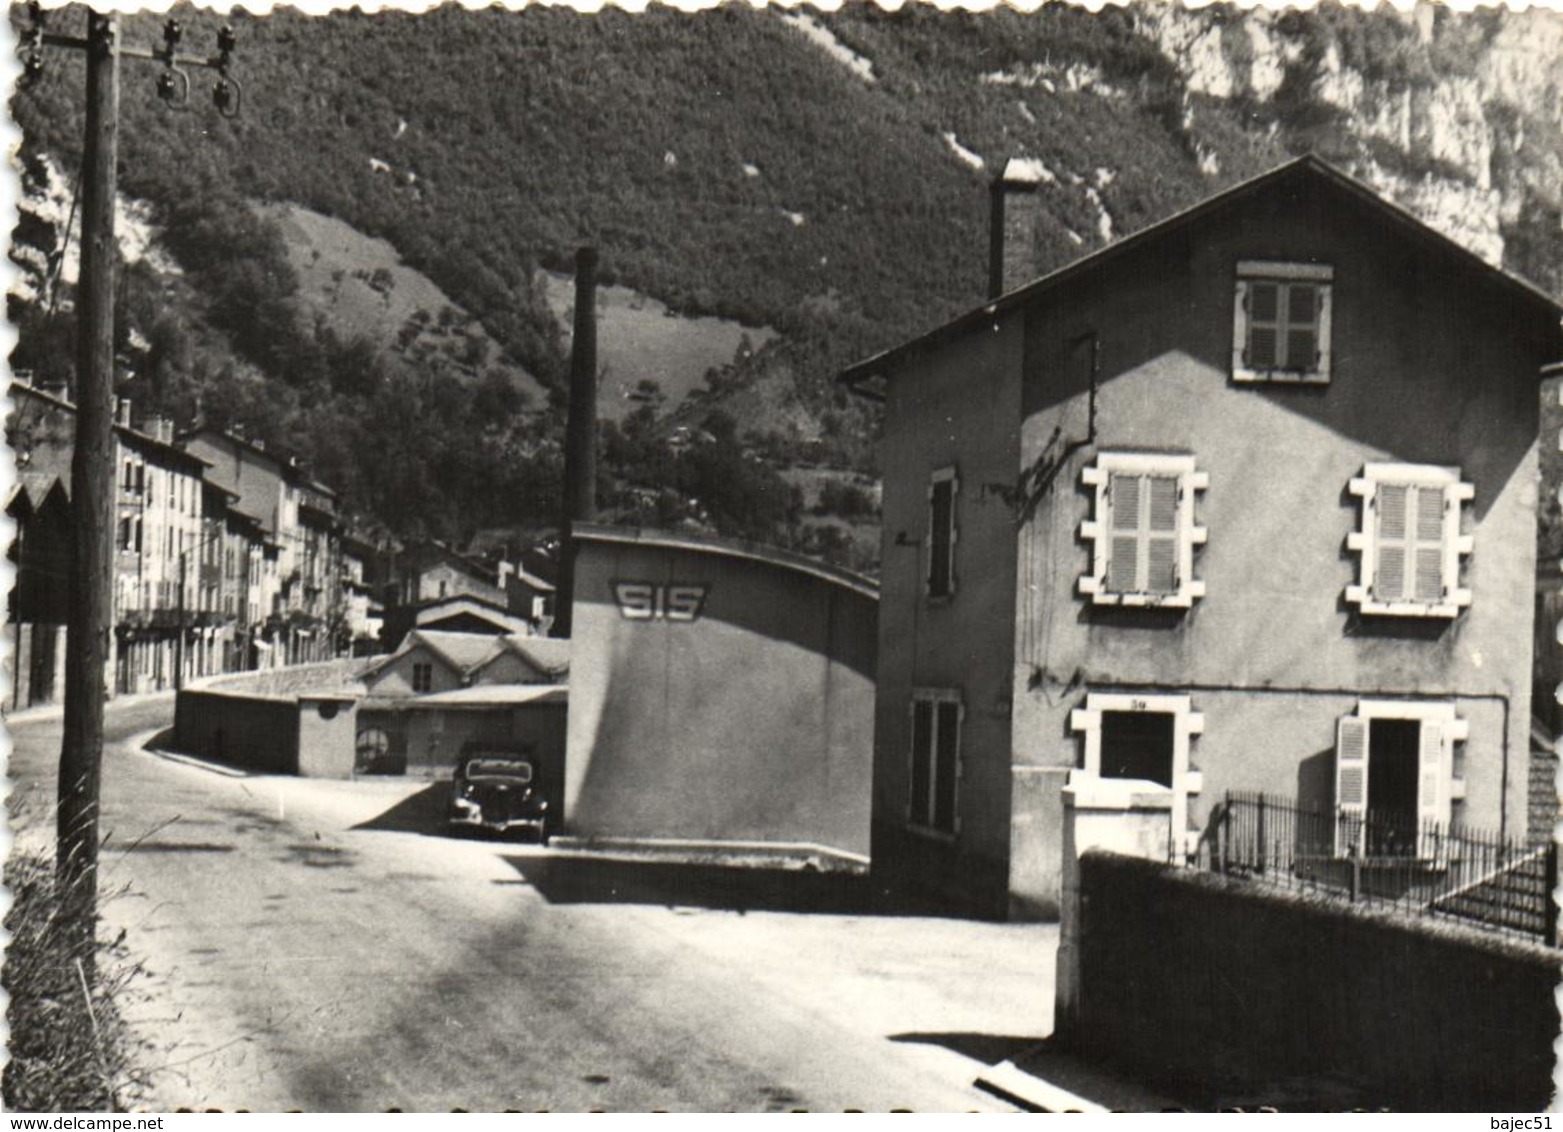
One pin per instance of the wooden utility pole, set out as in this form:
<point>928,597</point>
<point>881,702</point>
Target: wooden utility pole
<point>90,616</point>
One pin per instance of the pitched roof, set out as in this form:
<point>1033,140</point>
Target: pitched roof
<point>461,651</point>
<point>1309,165</point>
<point>549,655</point>
<point>35,486</point>
<point>469,605</point>
<point>469,653</point>
<point>538,584</point>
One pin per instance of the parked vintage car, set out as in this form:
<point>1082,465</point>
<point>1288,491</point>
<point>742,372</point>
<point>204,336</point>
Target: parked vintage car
<point>497,790</point>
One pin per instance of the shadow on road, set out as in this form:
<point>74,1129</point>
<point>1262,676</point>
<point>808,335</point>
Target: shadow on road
<point>989,1049</point>
<point>423,812</point>
<point>605,880</point>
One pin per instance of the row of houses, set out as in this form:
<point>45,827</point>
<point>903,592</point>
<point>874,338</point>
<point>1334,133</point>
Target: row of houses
<point>228,557</point>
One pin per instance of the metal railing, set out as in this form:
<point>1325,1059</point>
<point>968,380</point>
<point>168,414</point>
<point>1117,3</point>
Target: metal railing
<point>1389,860</point>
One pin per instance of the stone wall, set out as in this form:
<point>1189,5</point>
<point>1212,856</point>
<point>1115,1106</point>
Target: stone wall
<point>1242,997</point>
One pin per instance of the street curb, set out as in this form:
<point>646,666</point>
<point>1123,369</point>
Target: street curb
<point>142,743</point>
<point>1011,1083</point>
<point>781,850</point>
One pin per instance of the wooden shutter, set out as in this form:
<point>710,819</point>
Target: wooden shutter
<point>1351,782</point>
<point>941,531</point>
<point>1434,773</point>
<point>946,752</point>
<point>1124,505</point>
<point>1302,340</point>
<point>1429,565</point>
<point>922,739</point>
<point>1264,308</point>
<point>1161,549</point>
<point>1389,576</point>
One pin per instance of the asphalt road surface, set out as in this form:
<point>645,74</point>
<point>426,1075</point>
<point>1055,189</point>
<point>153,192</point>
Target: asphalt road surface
<point>314,945</point>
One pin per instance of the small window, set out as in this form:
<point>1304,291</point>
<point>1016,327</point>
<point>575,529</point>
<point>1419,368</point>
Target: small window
<point>422,676</point>
<point>1394,778</point>
<point>942,490</point>
<point>1410,542</point>
<point>1143,531</point>
<point>1281,322</point>
<point>935,761</point>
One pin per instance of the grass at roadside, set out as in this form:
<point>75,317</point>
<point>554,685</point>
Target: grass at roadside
<point>68,1053</point>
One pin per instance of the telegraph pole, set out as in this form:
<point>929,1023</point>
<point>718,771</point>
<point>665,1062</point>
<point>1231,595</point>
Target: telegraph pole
<point>90,617</point>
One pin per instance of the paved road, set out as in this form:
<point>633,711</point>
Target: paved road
<point>312,947</point>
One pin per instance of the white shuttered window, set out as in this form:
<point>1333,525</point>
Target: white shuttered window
<point>1410,541</point>
<point>1281,322</point>
<point>1143,530</point>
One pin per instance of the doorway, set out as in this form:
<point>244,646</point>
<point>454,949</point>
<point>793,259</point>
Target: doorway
<point>1393,750</point>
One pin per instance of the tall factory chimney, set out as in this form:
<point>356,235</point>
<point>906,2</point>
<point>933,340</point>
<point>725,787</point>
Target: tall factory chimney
<point>579,504</point>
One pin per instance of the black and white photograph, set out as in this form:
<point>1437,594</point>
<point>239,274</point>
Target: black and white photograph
<point>752,558</point>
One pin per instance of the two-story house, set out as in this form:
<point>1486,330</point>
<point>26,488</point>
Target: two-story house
<point>1244,501</point>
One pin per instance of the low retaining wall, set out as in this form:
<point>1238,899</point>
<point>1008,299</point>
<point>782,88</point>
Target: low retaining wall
<point>340,675</point>
<point>1260,997</point>
<point>255,732</point>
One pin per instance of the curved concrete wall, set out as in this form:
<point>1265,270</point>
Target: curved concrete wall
<point>718,692</point>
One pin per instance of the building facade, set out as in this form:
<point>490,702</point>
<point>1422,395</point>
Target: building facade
<point>1246,501</point>
<point>720,691</point>
<point>224,559</point>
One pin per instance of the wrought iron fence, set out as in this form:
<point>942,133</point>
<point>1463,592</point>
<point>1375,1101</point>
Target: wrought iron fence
<point>1422,868</point>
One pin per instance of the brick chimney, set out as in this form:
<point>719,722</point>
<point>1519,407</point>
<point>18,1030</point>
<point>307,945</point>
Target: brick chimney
<point>1015,207</point>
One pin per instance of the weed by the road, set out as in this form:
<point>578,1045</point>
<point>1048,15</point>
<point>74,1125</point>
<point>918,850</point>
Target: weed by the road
<point>69,1052</point>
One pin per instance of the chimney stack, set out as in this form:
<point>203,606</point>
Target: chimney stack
<point>122,413</point>
<point>579,504</point>
<point>1015,204</point>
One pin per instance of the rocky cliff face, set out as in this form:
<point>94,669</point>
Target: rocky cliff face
<point>1458,117</point>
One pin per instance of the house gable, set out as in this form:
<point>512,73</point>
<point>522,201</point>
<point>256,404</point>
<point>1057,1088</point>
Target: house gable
<point>399,674</point>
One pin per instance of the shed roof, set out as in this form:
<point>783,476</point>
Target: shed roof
<point>732,548</point>
<point>494,695</point>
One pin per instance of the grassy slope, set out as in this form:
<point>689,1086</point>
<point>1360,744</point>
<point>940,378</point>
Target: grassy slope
<point>361,288</point>
<point>640,339</point>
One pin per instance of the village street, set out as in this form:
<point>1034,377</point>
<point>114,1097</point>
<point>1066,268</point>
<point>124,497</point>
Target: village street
<point>311,945</point>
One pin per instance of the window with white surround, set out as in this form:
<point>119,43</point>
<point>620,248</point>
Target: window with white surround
<point>943,487</point>
<point>935,761</point>
<point>1143,531</point>
<point>1410,542</point>
<point>1281,322</point>
<point>1394,777</point>
<point>1137,743</point>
